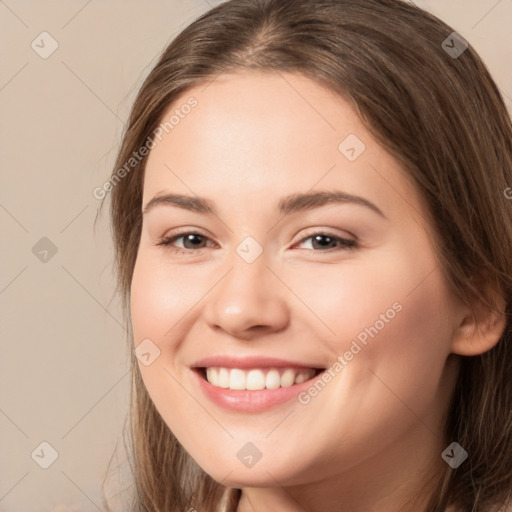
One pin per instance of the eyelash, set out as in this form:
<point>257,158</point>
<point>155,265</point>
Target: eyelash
<point>345,244</point>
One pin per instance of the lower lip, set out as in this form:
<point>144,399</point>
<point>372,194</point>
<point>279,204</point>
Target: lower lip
<point>251,401</point>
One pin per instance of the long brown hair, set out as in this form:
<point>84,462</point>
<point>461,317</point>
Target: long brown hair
<point>440,115</point>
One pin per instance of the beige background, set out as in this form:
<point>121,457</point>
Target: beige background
<point>63,365</point>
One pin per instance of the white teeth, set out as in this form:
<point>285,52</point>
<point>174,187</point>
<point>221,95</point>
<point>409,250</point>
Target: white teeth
<point>237,379</point>
<point>257,379</point>
<point>212,374</point>
<point>288,378</point>
<point>223,381</point>
<point>273,380</point>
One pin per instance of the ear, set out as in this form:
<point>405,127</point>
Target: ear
<point>481,325</point>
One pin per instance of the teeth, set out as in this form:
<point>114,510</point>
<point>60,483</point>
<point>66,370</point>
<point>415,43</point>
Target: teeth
<point>273,380</point>
<point>257,379</point>
<point>301,377</point>
<point>237,379</point>
<point>288,378</point>
<point>223,381</point>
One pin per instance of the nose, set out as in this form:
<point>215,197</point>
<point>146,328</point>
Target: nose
<point>249,300</point>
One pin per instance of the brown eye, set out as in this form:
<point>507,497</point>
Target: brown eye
<point>322,242</point>
<point>328,241</point>
<point>191,240</point>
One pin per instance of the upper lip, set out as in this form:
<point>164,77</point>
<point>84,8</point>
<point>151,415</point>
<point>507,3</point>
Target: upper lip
<point>250,362</point>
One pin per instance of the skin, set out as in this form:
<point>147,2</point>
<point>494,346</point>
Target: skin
<point>370,439</point>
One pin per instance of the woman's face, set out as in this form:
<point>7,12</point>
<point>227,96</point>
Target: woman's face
<point>350,285</point>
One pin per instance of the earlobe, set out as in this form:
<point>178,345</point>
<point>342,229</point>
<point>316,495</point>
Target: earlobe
<point>481,329</point>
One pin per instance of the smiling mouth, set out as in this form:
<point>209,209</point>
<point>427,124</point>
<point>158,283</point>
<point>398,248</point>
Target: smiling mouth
<point>256,379</point>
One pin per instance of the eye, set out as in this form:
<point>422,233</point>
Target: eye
<point>189,237</point>
<point>329,241</point>
<point>325,241</point>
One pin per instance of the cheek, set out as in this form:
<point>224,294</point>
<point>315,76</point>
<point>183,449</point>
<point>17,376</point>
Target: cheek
<point>399,289</point>
<point>392,320</point>
<point>389,314</point>
<point>159,302</point>
<point>159,299</point>
<point>147,304</point>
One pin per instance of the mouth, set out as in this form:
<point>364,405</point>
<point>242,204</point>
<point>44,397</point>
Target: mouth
<point>256,379</point>
<point>252,384</point>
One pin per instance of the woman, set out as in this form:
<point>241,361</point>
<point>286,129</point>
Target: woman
<point>313,238</point>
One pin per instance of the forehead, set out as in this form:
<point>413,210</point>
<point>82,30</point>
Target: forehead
<point>262,133</point>
<point>242,110</point>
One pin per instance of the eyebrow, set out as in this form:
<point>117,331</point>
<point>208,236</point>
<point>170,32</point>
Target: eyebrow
<point>287,205</point>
